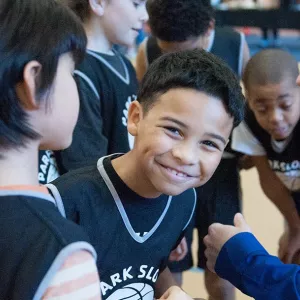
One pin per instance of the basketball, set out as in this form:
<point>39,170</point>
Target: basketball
<point>134,291</point>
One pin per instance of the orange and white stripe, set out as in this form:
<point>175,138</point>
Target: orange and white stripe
<point>76,279</point>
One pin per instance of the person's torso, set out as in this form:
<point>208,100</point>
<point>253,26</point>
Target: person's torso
<point>115,85</point>
<point>33,233</point>
<point>129,261</point>
<point>284,156</point>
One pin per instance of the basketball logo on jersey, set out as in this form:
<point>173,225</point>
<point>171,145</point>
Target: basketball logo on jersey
<point>125,118</point>
<point>48,170</point>
<point>134,291</point>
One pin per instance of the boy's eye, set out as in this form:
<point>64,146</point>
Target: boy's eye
<point>173,130</point>
<point>286,106</point>
<point>211,144</point>
<point>136,4</point>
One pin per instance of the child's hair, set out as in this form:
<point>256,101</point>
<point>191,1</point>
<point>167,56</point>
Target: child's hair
<point>193,69</point>
<point>80,7</point>
<point>270,66</point>
<point>179,20</point>
<point>32,30</point>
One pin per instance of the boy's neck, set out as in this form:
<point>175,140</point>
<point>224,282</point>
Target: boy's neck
<point>129,171</point>
<point>97,40</point>
<point>20,167</point>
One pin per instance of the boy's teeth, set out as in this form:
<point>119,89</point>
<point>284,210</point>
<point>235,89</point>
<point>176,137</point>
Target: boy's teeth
<point>177,173</point>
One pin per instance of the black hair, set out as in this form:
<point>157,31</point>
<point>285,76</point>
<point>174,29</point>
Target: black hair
<point>80,7</point>
<point>179,20</point>
<point>270,66</point>
<point>32,30</point>
<point>193,69</point>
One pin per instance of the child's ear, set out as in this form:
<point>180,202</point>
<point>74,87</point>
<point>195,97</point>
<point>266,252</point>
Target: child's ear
<point>98,6</point>
<point>26,89</point>
<point>135,115</point>
<point>211,27</point>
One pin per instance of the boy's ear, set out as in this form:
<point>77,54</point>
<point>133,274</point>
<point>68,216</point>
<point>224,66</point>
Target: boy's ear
<point>211,27</point>
<point>26,89</point>
<point>98,6</point>
<point>135,115</point>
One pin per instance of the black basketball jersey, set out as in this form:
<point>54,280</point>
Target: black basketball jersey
<point>129,264</point>
<point>284,156</point>
<point>105,95</point>
<point>35,241</point>
<point>226,43</point>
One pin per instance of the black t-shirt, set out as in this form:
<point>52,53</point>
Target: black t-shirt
<point>127,260</point>
<point>107,85</point>
<point>33,235</point>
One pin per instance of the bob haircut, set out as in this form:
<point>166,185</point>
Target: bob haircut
<point>32,30</point>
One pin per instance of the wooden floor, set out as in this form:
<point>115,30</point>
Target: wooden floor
<point>263,217</point>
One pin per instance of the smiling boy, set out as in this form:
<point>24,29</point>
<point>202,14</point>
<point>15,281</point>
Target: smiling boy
<point>136,206</point>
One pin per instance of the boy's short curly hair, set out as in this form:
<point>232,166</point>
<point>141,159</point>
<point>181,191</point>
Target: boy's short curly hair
<point>193,69</point>
<point>179,20</point>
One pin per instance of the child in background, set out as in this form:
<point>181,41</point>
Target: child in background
<point>106,80</point>
<point>136,206</point>
<point>271,135</point>
<point>39,249</point>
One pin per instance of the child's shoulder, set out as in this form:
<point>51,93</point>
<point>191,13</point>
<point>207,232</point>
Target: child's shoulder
<point>73,183</point>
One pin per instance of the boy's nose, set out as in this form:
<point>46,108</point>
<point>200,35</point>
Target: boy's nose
<point>143,15</point>
<point>186,154</point>
<point>275,117</point>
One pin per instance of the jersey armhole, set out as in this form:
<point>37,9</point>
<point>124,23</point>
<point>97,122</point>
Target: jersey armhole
<point>57,197</point>
<point>58,262</point>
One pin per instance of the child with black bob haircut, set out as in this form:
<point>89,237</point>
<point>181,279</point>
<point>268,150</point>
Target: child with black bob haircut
<point>136,206</point>
<point>40,41</point>
<point>270,134</point>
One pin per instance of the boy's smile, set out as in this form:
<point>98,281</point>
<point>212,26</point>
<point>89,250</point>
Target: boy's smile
<point>179,141</point>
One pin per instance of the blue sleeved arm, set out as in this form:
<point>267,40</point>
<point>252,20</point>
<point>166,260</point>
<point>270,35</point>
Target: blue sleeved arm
<point>247,265</point>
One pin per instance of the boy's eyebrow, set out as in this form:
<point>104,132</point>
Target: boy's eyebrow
<point>216,136</point>
<point>174,121</point>
<point>283,96</point>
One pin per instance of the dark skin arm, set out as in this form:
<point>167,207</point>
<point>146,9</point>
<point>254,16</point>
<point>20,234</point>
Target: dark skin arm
<point>276,191</point>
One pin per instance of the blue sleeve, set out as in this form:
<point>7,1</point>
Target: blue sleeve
<point>247,265</point>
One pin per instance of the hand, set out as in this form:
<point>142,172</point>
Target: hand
<point>218,235</point>
<point>289,246</point>
<point>180,252</point>
<point>175,293</point>
<point>245,162</point>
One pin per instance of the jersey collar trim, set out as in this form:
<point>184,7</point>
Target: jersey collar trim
<point>121,209</point>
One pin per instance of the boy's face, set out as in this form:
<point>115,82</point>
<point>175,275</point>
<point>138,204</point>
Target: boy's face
<point>60,116</point>
<point>276,107</point>
<point>122,19</point>
<point>180,140</point>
